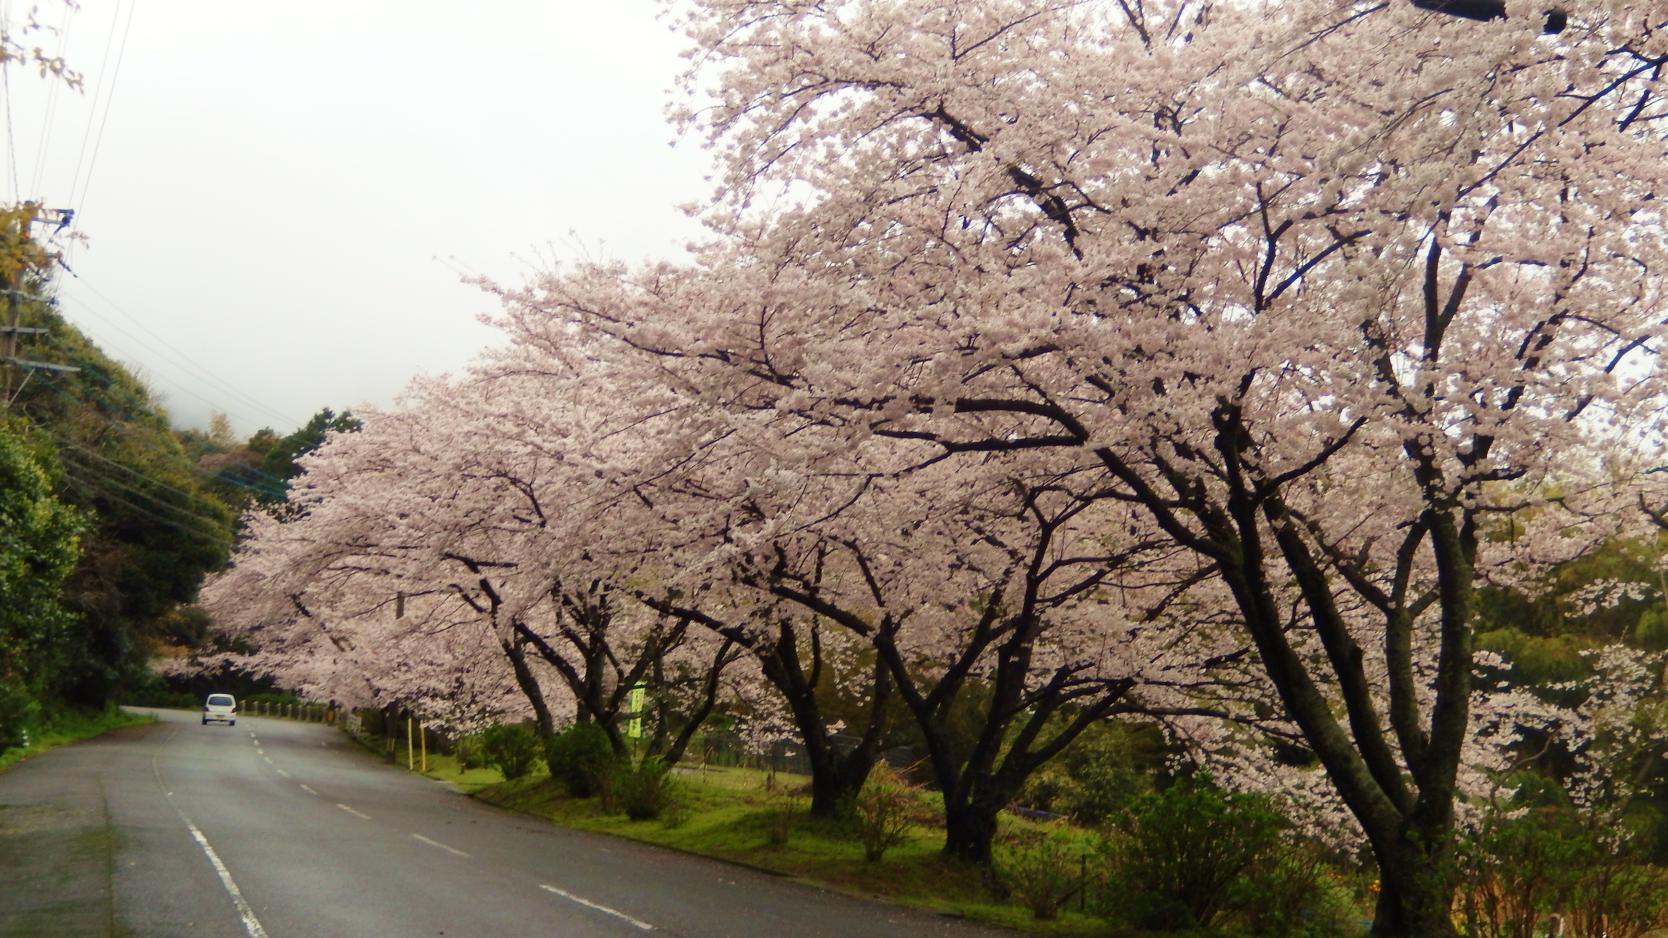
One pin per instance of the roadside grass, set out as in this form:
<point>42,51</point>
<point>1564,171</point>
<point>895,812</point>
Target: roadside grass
<point>747,817</point>
<point>468,781</point>
<point>67,726</point>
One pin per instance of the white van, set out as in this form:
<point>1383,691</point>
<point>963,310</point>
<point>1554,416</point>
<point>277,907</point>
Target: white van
<point>220,708</point>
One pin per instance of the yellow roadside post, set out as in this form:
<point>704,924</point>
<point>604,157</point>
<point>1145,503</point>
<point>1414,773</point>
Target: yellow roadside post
<point>423,737</point>
<point>410,754</point>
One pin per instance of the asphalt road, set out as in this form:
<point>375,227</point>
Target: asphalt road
<point>274,828</point>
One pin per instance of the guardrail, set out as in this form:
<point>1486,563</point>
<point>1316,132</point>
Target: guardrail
<point>303,711</point>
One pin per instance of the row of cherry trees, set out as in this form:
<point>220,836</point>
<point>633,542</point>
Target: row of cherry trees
<point>1055,361</point>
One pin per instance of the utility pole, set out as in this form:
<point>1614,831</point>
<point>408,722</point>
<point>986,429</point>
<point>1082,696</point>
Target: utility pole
<point>14,327</point>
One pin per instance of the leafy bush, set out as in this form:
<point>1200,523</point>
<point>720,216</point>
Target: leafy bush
<point>470,751</point>
<point>1098,775</point>
<point>1042,872</point>
<point>644,791</point>
<point>881,814</point>
<point>1520,871</point>
<point>1619,899</point>
<point>1298,894</point>
<point>1188,855</point>
<point>580,757</point>
<point>17,710</point>
<point>1538,660</point>
<point>1651,631</point>
<point>511,748</point>
<point>779,823</point>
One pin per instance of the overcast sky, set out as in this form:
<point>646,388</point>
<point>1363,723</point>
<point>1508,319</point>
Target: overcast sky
<point>282,200</point>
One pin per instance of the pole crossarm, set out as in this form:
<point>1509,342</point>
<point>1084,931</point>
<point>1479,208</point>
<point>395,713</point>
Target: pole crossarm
<point>41,366</point>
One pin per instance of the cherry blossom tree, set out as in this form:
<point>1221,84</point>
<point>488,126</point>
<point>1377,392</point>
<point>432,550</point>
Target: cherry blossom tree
<point>1325,293</point>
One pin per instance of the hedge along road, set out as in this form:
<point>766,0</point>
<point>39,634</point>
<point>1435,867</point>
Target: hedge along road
<point>273,828</point>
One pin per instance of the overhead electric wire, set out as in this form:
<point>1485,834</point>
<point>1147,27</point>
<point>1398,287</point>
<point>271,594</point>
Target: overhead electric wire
<point>150,497</point>
<point>51,105</point>
<point>123,428</point>
<point>202,536</point>
<point>92,113</point>
<point>11,135</point>
<point>85,450</point>
<point>79,449</point>
<point>80,205</point>
<point>185,364</point>
<point>178,359</point>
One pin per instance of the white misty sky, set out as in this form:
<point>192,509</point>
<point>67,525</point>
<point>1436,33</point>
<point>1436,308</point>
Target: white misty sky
<point>284,198</point>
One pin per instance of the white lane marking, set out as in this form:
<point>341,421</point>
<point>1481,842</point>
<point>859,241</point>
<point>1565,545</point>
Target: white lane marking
<point>309,790</point>
<point>356,814</point>
<point>251,924</point>
<point>282,773</point>
<point>600,908</point>
<point>251,734</point>
<point>435,843</point>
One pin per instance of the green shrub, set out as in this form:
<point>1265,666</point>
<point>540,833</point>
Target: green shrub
<point>1620,899</point>
<point>1042,872</point>
<point>510,748</point>
<point>1651,631</point>
<point>470,751</point>
<point>18,710</point>
<point>1522,870</point>
<point>1098,775</point>
<point>779,823</point>
<point>1539,660</point>
<point>1187,855</point>
<point>580,757</point>
<point>881,814</point>
<point>644,791</point>
<point>1297,893</point>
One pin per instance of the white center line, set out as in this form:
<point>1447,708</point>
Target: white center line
<point>353,812</point>
<point>282,773</point>
<point>309,790</point>
<point>251,924</point>
<point>435,843</point>
<point>600,908</point>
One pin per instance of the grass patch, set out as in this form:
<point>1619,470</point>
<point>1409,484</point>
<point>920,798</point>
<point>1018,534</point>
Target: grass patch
<point>67,726</point>
<point>469,781</point>
<point>730,814</point>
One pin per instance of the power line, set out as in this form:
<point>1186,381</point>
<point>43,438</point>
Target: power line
<point>125,429</point>
<point>197,371</point>
<point>98,142</point>
<point>11,135</point>
<point>202,537</point>
<point>92,113</point>
<point>51,104</point>
<point>180,359</point>
<point>153,499</point>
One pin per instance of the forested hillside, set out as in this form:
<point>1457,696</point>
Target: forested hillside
<point>112,517</point>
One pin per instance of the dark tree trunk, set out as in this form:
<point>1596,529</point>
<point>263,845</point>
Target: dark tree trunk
<point>969,830</point>
<point>529,684</point>
<point>1416,886</point>
<point>835,778</point>
<point>835,781</point>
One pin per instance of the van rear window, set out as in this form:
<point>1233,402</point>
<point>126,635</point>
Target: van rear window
<point>220,700</point>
